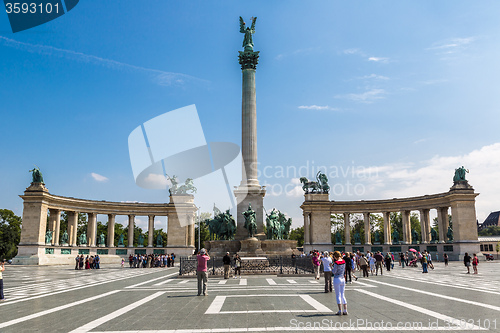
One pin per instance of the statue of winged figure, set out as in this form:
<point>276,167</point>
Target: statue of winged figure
<point>248,31</point>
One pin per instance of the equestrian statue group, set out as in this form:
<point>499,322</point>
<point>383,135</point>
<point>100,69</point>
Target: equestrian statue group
<point>319,186</point>
<point>222,226</point>
<point>277,225</point>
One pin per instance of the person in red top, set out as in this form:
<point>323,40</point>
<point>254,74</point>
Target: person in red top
<point>475,262</point>
<point>316,264</point>
<point>201,271</point>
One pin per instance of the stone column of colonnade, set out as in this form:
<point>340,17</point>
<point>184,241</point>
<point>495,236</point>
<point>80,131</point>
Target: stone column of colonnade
<point>387,228</point>
<point>54,225</point>
<point>72,227</point>
<point>91,229</point>
<point>425,225</point>
<point>442,215</point>
<point>307,225</point>
<point>347,229</point>
<point>111,230</point>
<point>151,229</point>
<point>405,216</point>
<point>131,220</point>
<point>366,217</point>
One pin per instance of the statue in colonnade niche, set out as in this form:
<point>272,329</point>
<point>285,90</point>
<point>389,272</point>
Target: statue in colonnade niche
<point>395,237</point>
<point>64,237</point>
<point>101,240</point>
<point>377,237</point>
<point>83,238</point>
<point>414,236</point>
<point>120,241</point>
<point>140,240</point>
<point>357,238</point>
<point>449,234</point>
<point>159,240</point>
<point>434,236</point>
<point>338,238</point>
<point>48,237</point>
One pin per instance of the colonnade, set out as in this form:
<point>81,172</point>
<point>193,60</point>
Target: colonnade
<point>41,207</point>
<point>317,210</point>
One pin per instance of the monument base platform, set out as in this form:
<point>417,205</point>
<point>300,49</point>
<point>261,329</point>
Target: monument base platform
<point>253,247</point>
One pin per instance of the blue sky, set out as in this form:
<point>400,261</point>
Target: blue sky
<point>401,92</point>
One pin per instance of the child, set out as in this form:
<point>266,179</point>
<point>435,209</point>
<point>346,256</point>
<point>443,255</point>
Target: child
<point>123,262</point>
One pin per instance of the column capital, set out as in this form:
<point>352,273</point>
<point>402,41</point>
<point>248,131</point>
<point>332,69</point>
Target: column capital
<point>248,59</point>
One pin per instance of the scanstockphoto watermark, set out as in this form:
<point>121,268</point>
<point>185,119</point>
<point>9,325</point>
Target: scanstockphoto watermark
<point>309,170</point>
<point>343,180</point>
<point>360,324</point>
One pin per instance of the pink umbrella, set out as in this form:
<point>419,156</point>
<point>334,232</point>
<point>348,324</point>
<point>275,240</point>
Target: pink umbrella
<point>412,250</point>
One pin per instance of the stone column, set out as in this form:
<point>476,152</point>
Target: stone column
<point>347,228</point>
<point>191,237</point>
<point>55,225</point>
<point>91,229</point>
<point>425,225</point>
<point>387,228</point>
<point>320,233</point>
<point>306,228</point>
<point>368,237</point>
<point>72,228</point>
<point>442,215</point>
<point>34,215</point>
<point>151,229</point>
<point>131,220</point>
<point>405,216</point>
<point>111,230</point>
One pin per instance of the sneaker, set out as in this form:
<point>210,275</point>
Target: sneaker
<point>339,313</point>
<point>205,294</point>
<point>344,313</point>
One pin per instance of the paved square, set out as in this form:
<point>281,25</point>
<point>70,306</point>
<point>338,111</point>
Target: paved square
<point>60,299</point>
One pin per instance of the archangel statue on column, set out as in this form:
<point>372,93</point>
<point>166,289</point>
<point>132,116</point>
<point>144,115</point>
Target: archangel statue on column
<point>248,31</point>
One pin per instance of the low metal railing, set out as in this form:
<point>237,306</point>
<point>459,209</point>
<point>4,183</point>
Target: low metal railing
<point>264,265</point>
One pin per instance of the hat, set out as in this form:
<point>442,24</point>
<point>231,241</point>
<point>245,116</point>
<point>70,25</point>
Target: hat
<point>203,251</point>
<point>325,253</point>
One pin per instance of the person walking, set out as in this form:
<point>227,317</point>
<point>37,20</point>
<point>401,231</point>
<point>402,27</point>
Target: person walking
<point>475,262</point>
<point>372,262</point>
<point>424,264</point>
<point>316,264</point>
<point>327,271</point>
<point>348,268</point>
<point>201,271</point>
<point>445,258</point>
<point>401,259</point>
<point>2,268</point>
<point>467,260</point>
<point>364,265</point>
<point>226,260</point>
<point>429,260</point>
<point>237,265</point>
<point>339,282</point>
<point>388,259</point>
<point>378,263</point>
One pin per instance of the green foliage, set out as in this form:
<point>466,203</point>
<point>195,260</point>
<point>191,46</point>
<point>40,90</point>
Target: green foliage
<point>10,233</point>
<point>298,235</point>
<point>497,248</point>
<point>490,231</point>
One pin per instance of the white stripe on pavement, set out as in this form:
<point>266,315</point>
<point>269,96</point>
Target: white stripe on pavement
<point>93,324</point>
<point>62,307</point>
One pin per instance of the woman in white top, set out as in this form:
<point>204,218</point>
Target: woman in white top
<point>339,282</point>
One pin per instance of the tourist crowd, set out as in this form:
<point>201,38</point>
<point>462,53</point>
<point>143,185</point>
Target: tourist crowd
<point>90,262</point>
<point>151,260</point>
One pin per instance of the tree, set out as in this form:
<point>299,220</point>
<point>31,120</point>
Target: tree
<point>490,231</point>
<point>10,233</point>
<point>497,248</point>
<point>298,235</point>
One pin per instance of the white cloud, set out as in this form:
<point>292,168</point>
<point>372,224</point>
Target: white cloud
<point>317,107</point>
<point>452,45</point>
<point>379,59</point>
<point>367,97</point>
<point>352,51</point>
<point>98,177</point>
<point>374,76</point>
<point>156,179</point>
<point>160,77</point>
<point>436,176</point>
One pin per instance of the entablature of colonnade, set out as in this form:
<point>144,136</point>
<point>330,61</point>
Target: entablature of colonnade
<point>400,204</point>
<point>104,207</point>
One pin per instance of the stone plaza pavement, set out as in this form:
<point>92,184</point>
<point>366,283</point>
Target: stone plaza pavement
<point>114,299</point>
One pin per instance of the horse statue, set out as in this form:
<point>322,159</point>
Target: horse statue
<point>188,186</point>
<point>320,185</point>
<point>307,186</point>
